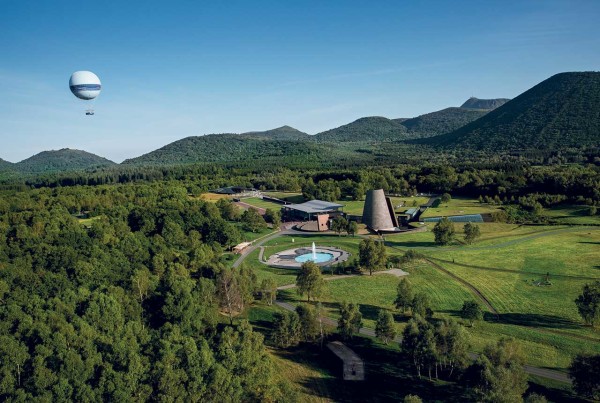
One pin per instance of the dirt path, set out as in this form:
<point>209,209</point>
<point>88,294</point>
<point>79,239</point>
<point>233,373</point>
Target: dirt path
<point>470,266</point>
<point>498,317</point>
<point>247,206</point>
<point>470,286</point>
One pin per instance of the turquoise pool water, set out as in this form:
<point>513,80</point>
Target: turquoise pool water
<point>320,257</point>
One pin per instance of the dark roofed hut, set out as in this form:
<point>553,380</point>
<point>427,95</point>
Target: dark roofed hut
<point>353,365</point>
<point>309,210</point>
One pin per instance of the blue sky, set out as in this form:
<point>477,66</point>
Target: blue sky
<point>182,68</point>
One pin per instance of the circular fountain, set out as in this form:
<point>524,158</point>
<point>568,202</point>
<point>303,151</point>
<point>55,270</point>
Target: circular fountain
<point>323,256</point>
<point>314,256</point>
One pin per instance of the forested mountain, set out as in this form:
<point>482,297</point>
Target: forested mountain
<point>489,104</point>
<point>373,128</point>
<point>440,122</point>
<point>280,133</point>
<point>228,148</point>
<point>62,160</point>
<point>560,112</point>
<point>5,164</point>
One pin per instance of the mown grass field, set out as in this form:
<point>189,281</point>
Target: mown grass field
<point>569,214</point>
<point>212,197</point>
<point>543,319</point>
<point>459,206</point>
<point>260,203</point>
<point>292,197</point>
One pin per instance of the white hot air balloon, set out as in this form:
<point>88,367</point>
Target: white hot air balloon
<point>85,85</point>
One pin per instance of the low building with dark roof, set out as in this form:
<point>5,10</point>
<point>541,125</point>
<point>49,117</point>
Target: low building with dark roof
<point>310,210</point>
<point>234,190</point>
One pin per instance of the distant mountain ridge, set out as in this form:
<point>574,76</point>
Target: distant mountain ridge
<point>488,104</point>
<point>230,147</point>
<point>560,112</point>
<point>372,128</point>
<point>280,133</point>
<point>61,160</point>
<point>440,122</point>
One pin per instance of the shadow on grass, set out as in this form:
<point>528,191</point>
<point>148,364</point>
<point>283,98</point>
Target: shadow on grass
<point>262,326</point>
<point>409,244</point>
<point>537,320</point>
<point>553,394</point>
<point>388,376</point>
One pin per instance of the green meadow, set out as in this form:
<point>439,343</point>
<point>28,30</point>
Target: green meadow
<point>505,265</point>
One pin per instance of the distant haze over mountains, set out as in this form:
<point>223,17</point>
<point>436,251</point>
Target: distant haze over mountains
<point>562,111</point>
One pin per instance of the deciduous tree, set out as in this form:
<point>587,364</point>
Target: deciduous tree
<point>350,320</point>
<point>286,329</point>
<point>421,305</point>
<point>585,372</point>
<point>472,232</point>
<point>339,225</point>
<point>385,328</point>
<point>471,311</point>
<point>372,255</point>
<point>443,231</point>
<point>404,295</point>
<point>588,303</point>
<point>310,281</point>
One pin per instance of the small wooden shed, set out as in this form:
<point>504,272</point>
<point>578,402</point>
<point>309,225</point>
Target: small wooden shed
<point>353,366</point>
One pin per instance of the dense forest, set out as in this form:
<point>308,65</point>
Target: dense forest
<point>128,304</point>
<point>578,183</point>
<point>125,308</point>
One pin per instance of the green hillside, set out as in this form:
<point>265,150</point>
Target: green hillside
<point>280,133</point>
<point>489,104</point>
<point>232,148</point>
<point>5,165</point>
<point>560,112</point>
<point>61,160</point>
<point>440,122</point>
<point>373,128</point>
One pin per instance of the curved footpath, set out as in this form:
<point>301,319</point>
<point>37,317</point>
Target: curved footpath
<point>541,372</point>
<point>365,331</point>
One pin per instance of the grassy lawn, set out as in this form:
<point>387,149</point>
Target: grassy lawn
<point>459,206</point>
<point>281,276</point>
<point>572,215</point>
<point>248,236</point>
<point>572,253</point>
<point>87,222</point>
<point>528,313</point>
<point>542,319</point>
<point>292,197</point>
<point>260,203</point>
<point>379,291</point>
<point>211,197</point>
